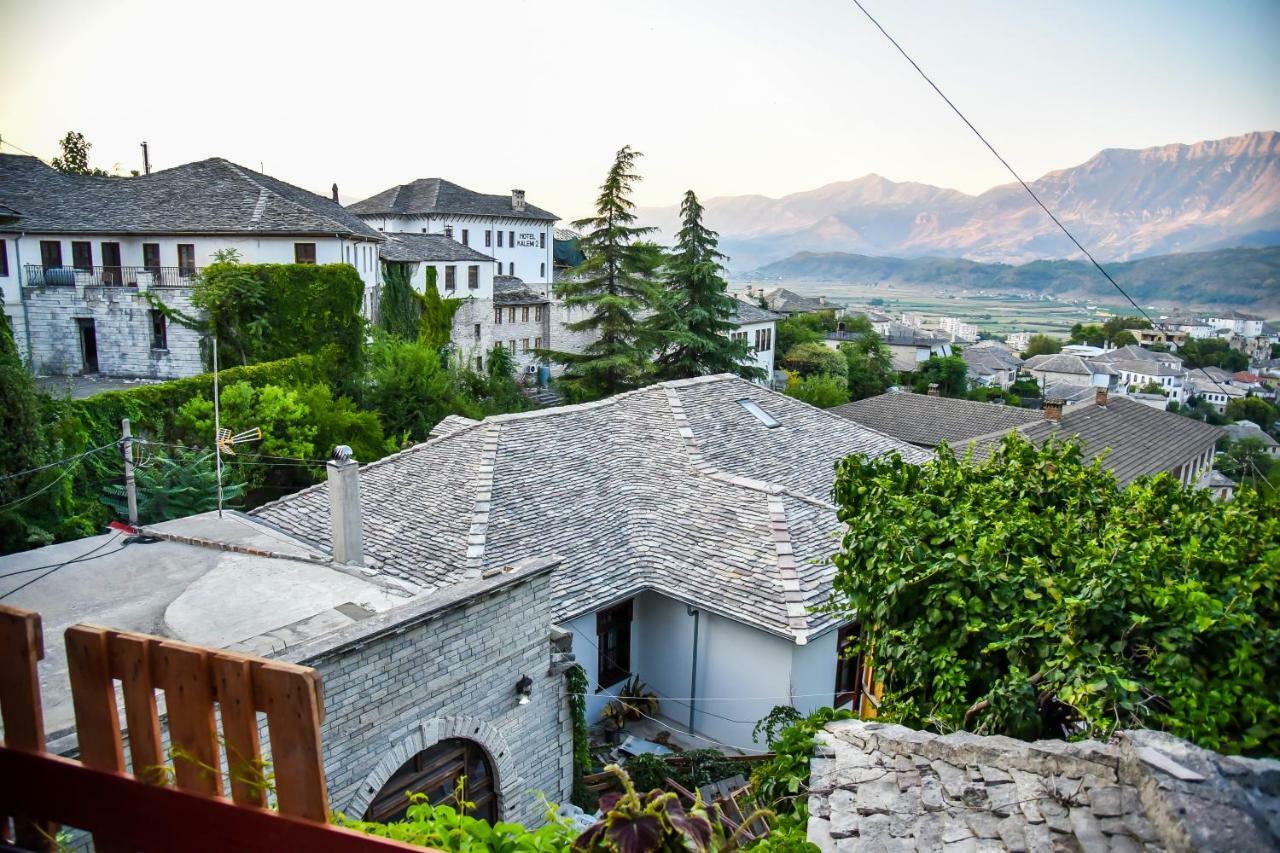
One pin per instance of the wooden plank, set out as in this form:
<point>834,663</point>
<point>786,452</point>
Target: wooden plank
<point>233,684</point>
<point>161,819</point>
<point>21,647</point>
<point>131,663</point>
<point>290,696</point>
<point>183,672</point>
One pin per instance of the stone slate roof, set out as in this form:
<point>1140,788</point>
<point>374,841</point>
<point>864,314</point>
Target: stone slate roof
<point>1133,352</point>
<point>786,301</point>
<point>887,787</point>
<point>928,421</point>
<point>987,360</point>
<point>213,196</point>
<point>1069,392</point>
<point>428,247</point>
<point>435,195</point>
<point>1137,440</point>
<point>1147,368</point>
<point>745,312</point>
<point>675,488</point>
<point>510,290</point>
<point>1060,363</point>
<point>1241,430</point>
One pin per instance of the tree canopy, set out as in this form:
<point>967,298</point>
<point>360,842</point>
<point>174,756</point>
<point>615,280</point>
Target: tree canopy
<point>1043,345</point>
<point>611,286</point>
<point>75,156</point>
<point>1029,595</point>
<point>695,315</point>
<point>950,373</point>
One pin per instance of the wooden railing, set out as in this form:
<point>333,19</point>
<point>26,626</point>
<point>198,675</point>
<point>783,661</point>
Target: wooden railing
<point>171,800</point>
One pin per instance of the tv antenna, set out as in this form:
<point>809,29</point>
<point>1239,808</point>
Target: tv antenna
<point>223,439</point>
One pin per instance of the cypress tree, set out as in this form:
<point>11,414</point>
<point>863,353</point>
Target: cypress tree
<point>698,314</point>
<point>611,286</point>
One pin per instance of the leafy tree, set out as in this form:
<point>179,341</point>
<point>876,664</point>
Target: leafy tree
<point>1213,352</point>
<point>1042,345</point>
<point>1029,595</point>
<point>20,437</point>
<point>1091,334</point>
<point>823,390</point>
<point>1115,326</point>
<point>1124,338</point>
<point>868,366</point>
<point>949,372</point>
<point>173,486</point>
<point>813,358</point>
<point>1247,461</point>
<point>410,389</point>
<point>399,311</point>
<point>75,156</point>
<point>1152,387</point>
<point>697,314</point>
<point>611,286</point>
<point>338,421</point>
<point>987,394</point>
<point>1253,409</point>
<point>436,314</point>
<point>804,329</point>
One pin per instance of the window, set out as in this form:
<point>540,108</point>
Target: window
<point>499,239</point>
<point>513,268</point>
<point>479,362</point>
<point>511,347</point>
<point>511,318</point>
<point>437,773</point>
<point>524,315</point>
<point>186,259</point>
<point>542,240</point>
<point>499,267</point>
<point>849,665</point>
<point>50,253</point>
<point>159,333</point>
<point>760,414</point>
<point>488,239</point>
<point>82,256</point>
<point>304,253</point>
<point>4,257</point>
<point>542,270</point>
<point>477,331</point>
<point>537,313</point>
<point>537,343</point>
<point>151,256</point>
<point>497,316</point>
<point>450,277</point>
<point>613,640</point>
<point>473,277</point>
<point>466,237</point>
<point>764,340</point>
<point>524,344</point>
<point>511,239</point>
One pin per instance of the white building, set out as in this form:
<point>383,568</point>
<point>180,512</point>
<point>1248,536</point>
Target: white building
<point>1018,341</point>
<point>758,328</point>
<point>958,329</point>
<point>1237,323</point>
<point>82,257</point>
<point>517,235</point>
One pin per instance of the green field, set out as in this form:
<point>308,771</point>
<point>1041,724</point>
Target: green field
<point>997,314</point>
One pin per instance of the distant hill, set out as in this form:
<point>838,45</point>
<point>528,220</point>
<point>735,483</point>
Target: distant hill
<point>1241,277</point>
<point>1121,203</point>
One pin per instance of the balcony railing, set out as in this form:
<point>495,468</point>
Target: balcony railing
<point>38,275</point>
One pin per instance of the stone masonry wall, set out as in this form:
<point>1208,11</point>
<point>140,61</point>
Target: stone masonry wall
<point>122,324</point>
<point>453,675</point>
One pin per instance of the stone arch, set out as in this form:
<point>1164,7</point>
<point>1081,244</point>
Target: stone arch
<point>427,734</point>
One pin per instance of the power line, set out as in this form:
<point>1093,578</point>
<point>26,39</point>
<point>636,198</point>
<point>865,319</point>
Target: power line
<point>75,458</point>
<point>88,555</point>
<point>4,141</point>
<point>1015,174</point>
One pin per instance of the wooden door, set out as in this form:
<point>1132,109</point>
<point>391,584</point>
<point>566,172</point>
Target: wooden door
<point>436,773</point>
<point>111,273</point>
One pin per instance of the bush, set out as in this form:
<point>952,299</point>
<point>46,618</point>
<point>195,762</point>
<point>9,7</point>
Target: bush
<point>1031,596</point>
<point>781,784</point>
<point>809,359</point>
<point>823,391</point>
<point>448,828</point>
<point>410,390</point>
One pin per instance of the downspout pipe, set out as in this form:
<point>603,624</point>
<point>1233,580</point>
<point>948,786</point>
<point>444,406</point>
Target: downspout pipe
<point>693,678</point>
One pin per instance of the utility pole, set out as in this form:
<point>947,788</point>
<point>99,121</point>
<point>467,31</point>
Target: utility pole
<point>146,160</point>
<point>130,487</point>
<point>217,425</point>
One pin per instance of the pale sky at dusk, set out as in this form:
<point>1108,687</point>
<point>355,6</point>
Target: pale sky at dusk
<point>725,97</point>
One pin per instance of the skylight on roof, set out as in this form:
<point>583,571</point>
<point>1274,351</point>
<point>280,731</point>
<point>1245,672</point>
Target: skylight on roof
<point>761,415</point>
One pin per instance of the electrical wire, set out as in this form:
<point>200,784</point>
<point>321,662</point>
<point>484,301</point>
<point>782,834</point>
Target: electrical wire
<point>47,465</point>
<point>85,557</point>
<point>1015,174</point>
<point>4,141</point>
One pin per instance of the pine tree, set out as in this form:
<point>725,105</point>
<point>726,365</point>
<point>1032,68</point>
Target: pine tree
<point>611,286</point>
<point>698,314</point>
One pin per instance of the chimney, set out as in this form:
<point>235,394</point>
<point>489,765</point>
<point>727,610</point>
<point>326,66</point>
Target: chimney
<point>448,231</point>
<point>933,389</point>
<point>1053,408</point>
<point>1100,397</point>
<point>344,507</point>
<point>517,200</point>
<point>335,194</point>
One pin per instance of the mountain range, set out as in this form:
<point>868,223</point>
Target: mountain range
<point>1121,203</point>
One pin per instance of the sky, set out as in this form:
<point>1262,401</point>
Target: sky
<point>726,97</point>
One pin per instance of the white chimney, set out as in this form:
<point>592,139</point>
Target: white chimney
<point>517,199</point>
<point>344,508</point>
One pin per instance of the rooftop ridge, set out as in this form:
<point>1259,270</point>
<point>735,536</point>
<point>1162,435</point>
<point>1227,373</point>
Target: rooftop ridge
<point>788,577</point>
<point>479,529</point>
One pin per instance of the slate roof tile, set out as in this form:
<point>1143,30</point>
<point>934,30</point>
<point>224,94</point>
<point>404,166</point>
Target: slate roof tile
<point>929,421</point>
<point>436,195</point>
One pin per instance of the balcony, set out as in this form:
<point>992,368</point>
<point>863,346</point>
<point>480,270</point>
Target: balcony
<point>143,278</point>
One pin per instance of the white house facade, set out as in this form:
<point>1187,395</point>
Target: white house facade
<point>84,258</point>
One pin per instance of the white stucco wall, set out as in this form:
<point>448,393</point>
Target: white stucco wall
<point>462,290</point>
<point>586,650</point>
<point>813,672</point>
<point>532,254</point>
<point>761,358</point>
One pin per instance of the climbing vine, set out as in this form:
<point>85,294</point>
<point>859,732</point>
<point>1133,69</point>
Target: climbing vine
<point>575,679</point>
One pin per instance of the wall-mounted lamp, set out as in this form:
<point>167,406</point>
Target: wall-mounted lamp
<point>524,689</point>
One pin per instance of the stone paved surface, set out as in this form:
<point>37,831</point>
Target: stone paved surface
<point>877,787</point>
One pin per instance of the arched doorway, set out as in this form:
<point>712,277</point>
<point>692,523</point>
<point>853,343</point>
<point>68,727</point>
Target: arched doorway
<point>436,772</point>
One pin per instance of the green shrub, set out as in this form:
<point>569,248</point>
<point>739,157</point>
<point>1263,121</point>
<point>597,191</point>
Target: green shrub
<point>824,390</point>
<point>781,784</point>
<point>447,828</point>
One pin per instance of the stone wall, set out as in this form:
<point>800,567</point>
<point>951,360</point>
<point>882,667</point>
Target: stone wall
<point>450,674</point>
<point>122,326</point>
